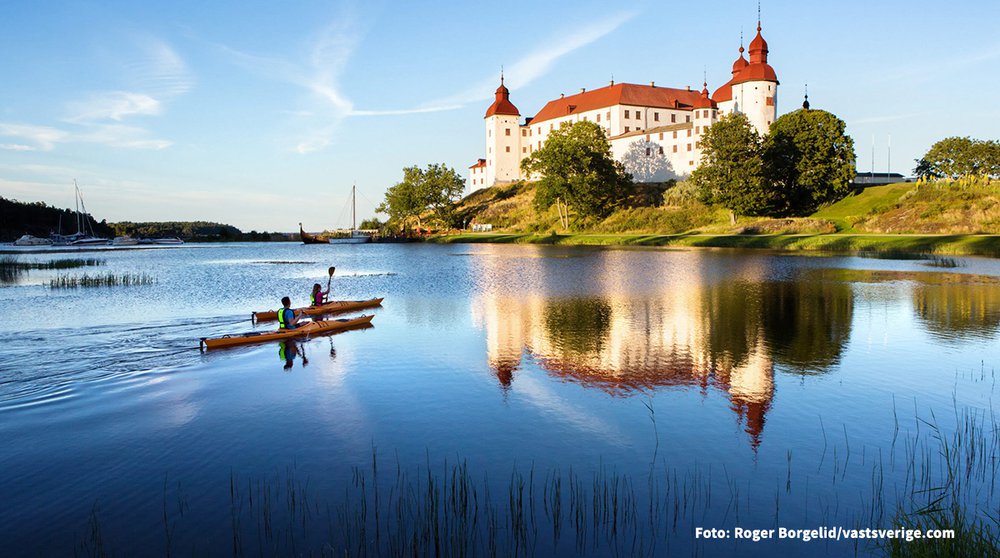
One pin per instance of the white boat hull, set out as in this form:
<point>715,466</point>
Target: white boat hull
<point>28,240</point>
<point>350,240</point>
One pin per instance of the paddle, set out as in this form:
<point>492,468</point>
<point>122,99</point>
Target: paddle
<point>330,278</point>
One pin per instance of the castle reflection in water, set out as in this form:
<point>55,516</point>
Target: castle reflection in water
<point>727,332</point>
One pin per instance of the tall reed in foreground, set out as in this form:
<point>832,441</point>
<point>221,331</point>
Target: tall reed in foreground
<point>106,280</point>
<point>934,473</point>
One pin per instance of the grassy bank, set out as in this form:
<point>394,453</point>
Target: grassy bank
<point>947,217</point>
<point>973,245</point>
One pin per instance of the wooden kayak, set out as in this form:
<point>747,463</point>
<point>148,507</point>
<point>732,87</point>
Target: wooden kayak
<point>309,328</point>
<point>331,307</point>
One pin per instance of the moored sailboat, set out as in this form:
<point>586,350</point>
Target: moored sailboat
<point>355,236</point>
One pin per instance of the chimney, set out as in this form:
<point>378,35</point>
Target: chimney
<point>583,90</point>
<point>612,82</point>
<point>689,88</point>
<point>562,95</point>
<point>652,84</point>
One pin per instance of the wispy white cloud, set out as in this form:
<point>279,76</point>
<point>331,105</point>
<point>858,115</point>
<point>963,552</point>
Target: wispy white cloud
<point>117,135</point>
<point>336,44</point>
<point>114,105</point>
<point>539,62</point>
<point>41,138</point>
<point>155,74</point>
<point>16,147</point>
<point>159,69</point>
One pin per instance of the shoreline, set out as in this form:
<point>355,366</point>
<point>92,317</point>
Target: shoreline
<point>941,244</point>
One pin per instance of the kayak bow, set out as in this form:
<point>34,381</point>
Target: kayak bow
<point>310,328</point>
<point>331,307</point>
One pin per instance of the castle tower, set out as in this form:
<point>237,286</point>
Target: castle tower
<point>755,87</point>
<point>503,139</point>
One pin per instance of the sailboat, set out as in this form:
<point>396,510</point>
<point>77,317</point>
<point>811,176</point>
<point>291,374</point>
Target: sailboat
<point>356,236</point>
<point>81,237</point>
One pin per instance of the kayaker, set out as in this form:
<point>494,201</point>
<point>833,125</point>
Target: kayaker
<point>318,295</point>
<point>288,318</point>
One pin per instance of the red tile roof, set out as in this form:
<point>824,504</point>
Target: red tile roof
<point>756,72</point>
<point>502,104</point>
<point>479,163</point>
<point>618,94</point>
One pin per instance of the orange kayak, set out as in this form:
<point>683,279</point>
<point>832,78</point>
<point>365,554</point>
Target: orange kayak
<point>310,328</point>
<point>331,307</point>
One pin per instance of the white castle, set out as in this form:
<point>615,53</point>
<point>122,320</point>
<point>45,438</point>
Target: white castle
<point>654,131</point>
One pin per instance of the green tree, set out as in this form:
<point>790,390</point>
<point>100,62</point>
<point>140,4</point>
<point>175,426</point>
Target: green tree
<point>371,224</point>
<point>731,171</point>
<point>953,157</point>
<point>576,166</point>
<point>432,190</point>
<point>808,161</point>
<point>925,169</point>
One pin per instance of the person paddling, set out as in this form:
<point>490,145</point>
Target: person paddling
<point>319,296</point>
<point>288,318</point>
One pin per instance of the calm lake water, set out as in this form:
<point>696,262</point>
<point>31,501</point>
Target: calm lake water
<point>734,388</point>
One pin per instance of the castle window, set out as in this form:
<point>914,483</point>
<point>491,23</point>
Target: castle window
<point>697,129</point>
<point>675,134</point>
<point>689,132</point>
<point>661,136</point>
<point>649,152</point>
<point>524,132</point>
<point>626,115</point>
<point>656,116</point>
<point>508,149</point>
<point>673,118</point>
<point>598,117</point>
<point>609,116</point>
<point>647,137</point>
<point>539,130</point>
<point>524,150</point>
<point>689,147</point>
<point>626,129</point>
<point>691,163</point>
<point>697,145</point>
<point>675,149</point>
<point>661,150</point>
<point>552,127</point>
<point>508,132</point>
<point>687,118</point>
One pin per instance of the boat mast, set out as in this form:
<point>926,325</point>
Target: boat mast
<point>76,198</point>
<point>354,207</point>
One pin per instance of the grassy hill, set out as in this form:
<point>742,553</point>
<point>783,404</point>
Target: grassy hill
<point>944,207</point>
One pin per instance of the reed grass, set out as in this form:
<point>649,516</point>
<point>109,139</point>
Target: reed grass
<point>937,473</point>
<point>11,267</point>
<point>105,280</point>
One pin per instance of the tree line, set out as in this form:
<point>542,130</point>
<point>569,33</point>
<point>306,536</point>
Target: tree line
<point>41,220</point>
<point>956,157</point>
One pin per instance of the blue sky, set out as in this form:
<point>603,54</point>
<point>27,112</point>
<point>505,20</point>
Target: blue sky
<point>263,114</point>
